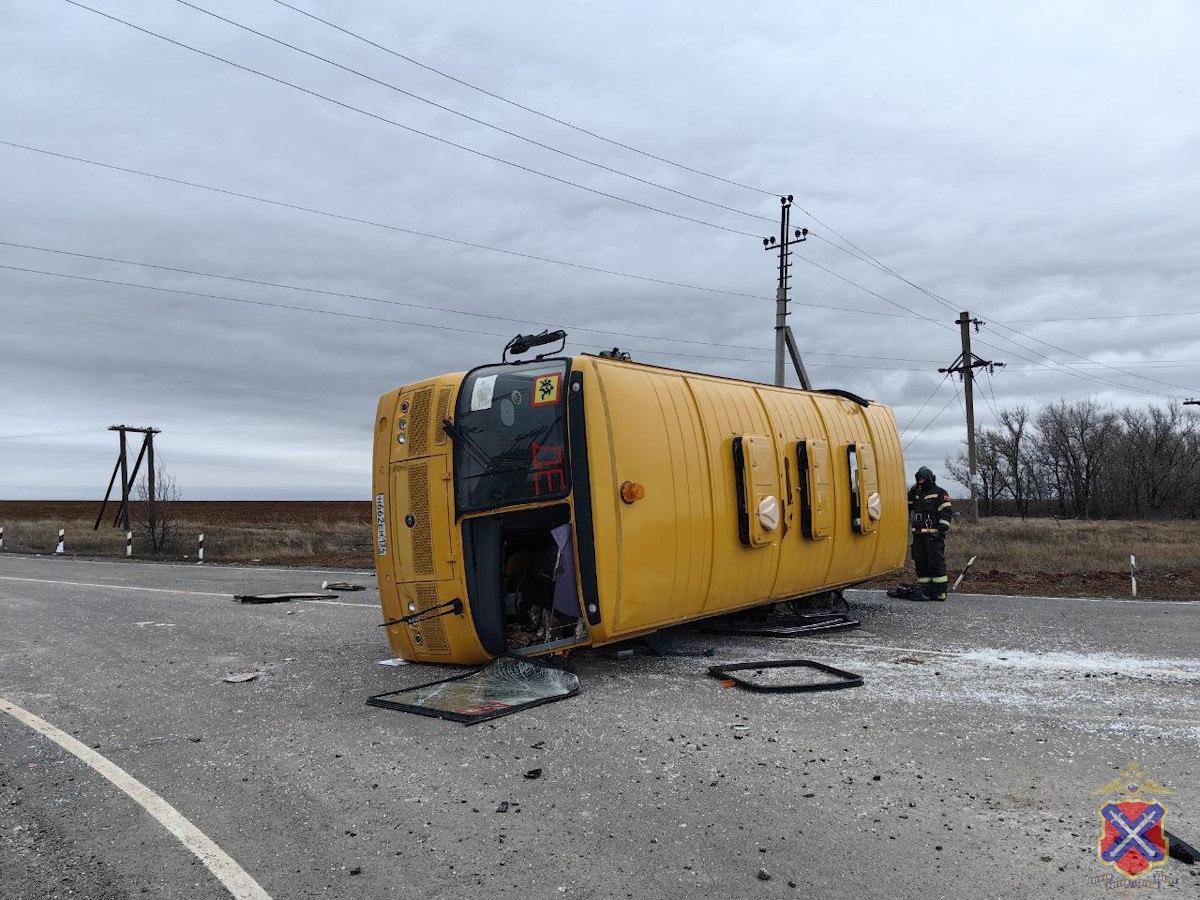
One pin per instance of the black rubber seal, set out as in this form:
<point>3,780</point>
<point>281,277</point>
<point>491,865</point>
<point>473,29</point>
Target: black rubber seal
<point>739,480</point>
<point>812,624</point>
<point>845,679</point>
<point>838,392</point>
<point>581,482</point>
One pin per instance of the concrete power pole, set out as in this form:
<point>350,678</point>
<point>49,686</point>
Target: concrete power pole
<point>785,343</point>
<point>965,366</point>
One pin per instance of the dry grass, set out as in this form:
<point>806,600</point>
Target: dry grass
<point>1033,556</point>
<point>334,533</point>
<point>1077,558</point>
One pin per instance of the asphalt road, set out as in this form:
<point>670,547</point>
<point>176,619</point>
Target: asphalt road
<point>964,767</point>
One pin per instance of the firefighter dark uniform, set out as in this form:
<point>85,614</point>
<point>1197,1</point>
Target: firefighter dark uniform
<point>929,513</point>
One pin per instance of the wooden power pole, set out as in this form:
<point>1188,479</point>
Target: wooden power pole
<point>129,478</point>
<point>965,365</point>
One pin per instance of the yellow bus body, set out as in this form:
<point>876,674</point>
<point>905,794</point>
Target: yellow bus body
<point>710,455</point>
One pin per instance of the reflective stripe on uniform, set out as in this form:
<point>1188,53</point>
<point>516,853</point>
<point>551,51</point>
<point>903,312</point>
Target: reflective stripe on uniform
<point>945,505</point>
<point>931,496</point>
<point>943,522</point>
<point>939,579</point>
<point>924,580</point>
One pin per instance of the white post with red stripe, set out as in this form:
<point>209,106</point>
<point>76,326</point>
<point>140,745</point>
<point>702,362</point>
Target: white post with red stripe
<point>128,544</point>
<point>200,551</point>
<point>61,547</point>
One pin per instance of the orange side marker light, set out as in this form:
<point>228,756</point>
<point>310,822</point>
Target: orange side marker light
<point>632,492</point>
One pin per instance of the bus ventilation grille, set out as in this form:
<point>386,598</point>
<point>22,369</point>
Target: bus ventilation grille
<point>418,424</point>
<point>443,413</point>
<point>432,633</point>
<point>418,499</point>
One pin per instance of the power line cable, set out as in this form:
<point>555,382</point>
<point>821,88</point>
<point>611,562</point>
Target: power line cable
<point>936,416</point>
<point>361,317</point>
<point>951,305</point>
<point>414,232</point>
<point>1037,355</point>
<point>528,256</point>
<point>1066,319</point>
<point>921,408</point>
<point>64,431</point>
<point>529,109</point>
<point>409,128</point>
<point>446,309</point>
<point>856,251</point>
<point>470,118</point>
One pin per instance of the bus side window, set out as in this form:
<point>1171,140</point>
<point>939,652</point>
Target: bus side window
<point>869,507</point>
<point>865,507</point>
<point>756,478</point>
<point>855,506</point>
<point>816,509</point>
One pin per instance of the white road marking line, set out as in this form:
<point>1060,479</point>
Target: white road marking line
<point>115,587</point>
<point>858,646</point>
<point>130,587</point>
<point>247,567</point>
<point>964,594</point>
<point>237,880</point>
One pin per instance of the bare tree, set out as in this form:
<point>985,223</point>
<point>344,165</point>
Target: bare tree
<point>158,523</point>
<point>1081,459</point>
<point>1073,444</point>
<point>1012,447</point>
<point>991,477</point>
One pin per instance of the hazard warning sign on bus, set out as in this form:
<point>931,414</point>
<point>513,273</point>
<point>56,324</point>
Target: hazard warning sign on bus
<point>546,389</point>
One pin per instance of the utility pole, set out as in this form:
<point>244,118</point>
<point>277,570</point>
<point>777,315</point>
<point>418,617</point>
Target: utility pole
<point>1191,402</point>
<point>129,478</point>
<point>784,340</point>
<point>965,365</point>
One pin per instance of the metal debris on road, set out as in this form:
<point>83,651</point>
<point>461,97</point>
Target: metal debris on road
<point>341,586</point>
<point>283,598</point>
<point>239,677</point>
<point>787,626</point>
<point>842,678</point>
<point>1178,848</point>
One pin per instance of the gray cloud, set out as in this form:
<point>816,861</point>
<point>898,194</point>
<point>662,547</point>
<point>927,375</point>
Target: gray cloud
<point>1026,160</point>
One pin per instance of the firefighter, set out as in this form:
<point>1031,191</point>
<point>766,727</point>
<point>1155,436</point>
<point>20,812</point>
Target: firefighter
<point>929,513</point>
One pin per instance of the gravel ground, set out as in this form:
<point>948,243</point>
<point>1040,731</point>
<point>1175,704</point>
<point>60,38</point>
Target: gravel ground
<point>964,767</point>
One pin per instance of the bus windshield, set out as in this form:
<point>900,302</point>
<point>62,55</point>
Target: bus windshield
<point>509,435</point>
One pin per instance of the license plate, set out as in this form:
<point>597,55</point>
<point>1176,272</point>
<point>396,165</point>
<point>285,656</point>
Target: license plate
<point>380,525</point>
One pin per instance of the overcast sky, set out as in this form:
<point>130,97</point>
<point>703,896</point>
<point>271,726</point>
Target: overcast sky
<point>1023,160</point>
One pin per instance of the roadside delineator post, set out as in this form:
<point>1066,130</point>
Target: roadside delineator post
<point>963,574</point>
<point>200,552</point>
<point>1,538</point>
<point>1132,575</point>
<point>61,547</point>
<point>128,544</point>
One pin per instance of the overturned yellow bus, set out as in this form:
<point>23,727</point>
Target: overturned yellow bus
<point>530,507</point>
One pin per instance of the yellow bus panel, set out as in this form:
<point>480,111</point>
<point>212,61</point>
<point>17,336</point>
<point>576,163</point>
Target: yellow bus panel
<point>537,506</point>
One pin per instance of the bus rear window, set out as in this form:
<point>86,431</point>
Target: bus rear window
<point>509,436</point>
